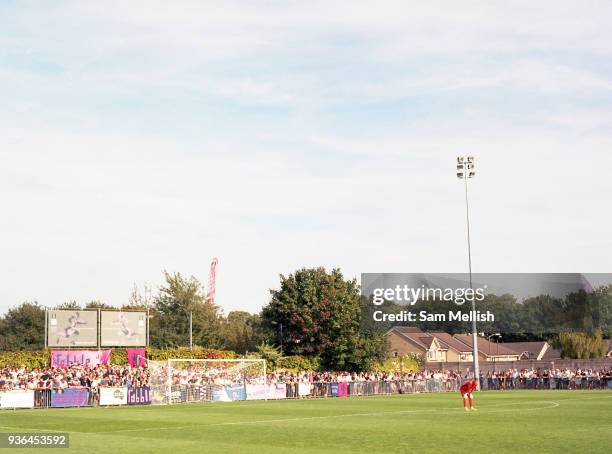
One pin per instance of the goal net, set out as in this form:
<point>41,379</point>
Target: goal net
<point>201,380</point>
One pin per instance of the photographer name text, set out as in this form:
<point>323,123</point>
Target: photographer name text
<point>425,316</point>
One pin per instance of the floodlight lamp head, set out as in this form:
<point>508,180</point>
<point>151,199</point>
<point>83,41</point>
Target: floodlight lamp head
<point>460,160</point>
<point>470,159</point>
<point>460,175</point>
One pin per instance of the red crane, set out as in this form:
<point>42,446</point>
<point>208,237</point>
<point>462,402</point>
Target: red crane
<point>211,281</point>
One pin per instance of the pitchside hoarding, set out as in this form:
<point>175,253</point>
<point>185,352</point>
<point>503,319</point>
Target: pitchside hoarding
<point>17,399</point>
<point>123,329</point>
<point>70,397</point>
<point>114,396</point>
<point>72,328</point>
<point>139,396</point>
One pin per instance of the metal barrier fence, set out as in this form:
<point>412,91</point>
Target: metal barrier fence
<point>83,397</point>
<point>373,388</point>
<point>503,383</point>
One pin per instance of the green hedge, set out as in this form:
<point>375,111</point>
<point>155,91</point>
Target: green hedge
<point>38,359</point>
<point>298,363</point>
<point>29,359</point>
<point>41,358</point>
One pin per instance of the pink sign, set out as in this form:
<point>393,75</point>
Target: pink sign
<point>342,389</point>
<point>136,357</point>
<point>65,358</point>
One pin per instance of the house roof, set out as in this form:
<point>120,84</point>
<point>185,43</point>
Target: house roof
<point>406,329</point>
<point>485,347</point>
<point>534,349</point>
<point>551,353</point>
<point>451,342</point>
<point>412,337</point>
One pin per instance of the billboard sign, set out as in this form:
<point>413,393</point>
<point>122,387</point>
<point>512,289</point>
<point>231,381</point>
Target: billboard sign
<point>139,396</point>
<point>72,328</point>
<point>113,396</point>
<point>123,329</point>
<point>70,397</point>
<point>17,399</point>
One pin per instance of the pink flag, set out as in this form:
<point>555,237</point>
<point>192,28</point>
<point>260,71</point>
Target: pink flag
<point>137,356</point>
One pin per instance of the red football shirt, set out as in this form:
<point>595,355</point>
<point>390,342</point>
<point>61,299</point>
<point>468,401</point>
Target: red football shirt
<point>468,387</point>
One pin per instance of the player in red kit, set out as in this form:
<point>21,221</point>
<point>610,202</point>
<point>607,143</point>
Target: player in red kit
<point>466,392</point>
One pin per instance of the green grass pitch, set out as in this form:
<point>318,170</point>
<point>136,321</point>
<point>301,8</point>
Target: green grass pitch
<point>511,421</point>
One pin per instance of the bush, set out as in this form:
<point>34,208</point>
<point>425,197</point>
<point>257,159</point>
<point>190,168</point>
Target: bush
<point>401,364</point>
<point>298,363</point>
<point>41,358</point>
<point>29,359</point>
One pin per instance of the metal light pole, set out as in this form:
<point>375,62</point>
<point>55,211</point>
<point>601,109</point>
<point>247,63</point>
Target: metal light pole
<point>465,171</point>
<point>191,330</point>
<point>281,339</point>
<point>274,322</point>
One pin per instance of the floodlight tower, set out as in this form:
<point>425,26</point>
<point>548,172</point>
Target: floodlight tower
<point>465,172</point>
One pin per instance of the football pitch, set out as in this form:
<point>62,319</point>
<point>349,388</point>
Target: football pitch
<point>510,421</point>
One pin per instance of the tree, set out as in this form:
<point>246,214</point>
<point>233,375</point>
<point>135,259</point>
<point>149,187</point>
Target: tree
<point>581,345</point>
<point>69,305</point>
<point>241,332</point>
<point>321,316</point>
<point>23,328</point>
<point>170,319</point>
<point>98,305</point>
<point>139,300</point>
<point>270,353</point>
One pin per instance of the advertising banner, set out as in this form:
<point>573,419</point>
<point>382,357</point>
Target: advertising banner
<point>136,357</point>
<point>255,392</point>
<point>277,391</point>
<point>70,397</point>
<point>229,393</point>
<point>72,328</point>
<point>334,389</point>
<point>139,396</point>
<point>17,399</point>
<point>123,329</point>
<point>65,358</point>
<point>113,396</point>
<point>304,389</point>
<point>343,389</point>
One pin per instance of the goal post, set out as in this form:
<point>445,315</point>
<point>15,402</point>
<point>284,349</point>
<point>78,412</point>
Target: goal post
<point>207,380</point>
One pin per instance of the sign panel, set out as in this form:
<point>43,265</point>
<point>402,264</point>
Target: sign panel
<point>65,358</point>
<point>70,397</point>
<point>139,396</point>
<point>114,396</point>
<point>229,393</point>
<point>123,329</point>
<point>270,391</point>
<point>72,328</point>
<point>17,399</point>
<point>304,389</point>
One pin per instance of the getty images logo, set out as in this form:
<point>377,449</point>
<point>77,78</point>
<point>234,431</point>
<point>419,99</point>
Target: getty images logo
<point>405,294</point>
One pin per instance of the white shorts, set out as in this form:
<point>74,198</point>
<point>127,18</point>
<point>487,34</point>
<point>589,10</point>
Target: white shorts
<point>467,395</point>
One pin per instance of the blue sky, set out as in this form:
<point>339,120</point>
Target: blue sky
<point>142,136</point>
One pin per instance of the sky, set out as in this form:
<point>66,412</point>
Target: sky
<point>137,137</point>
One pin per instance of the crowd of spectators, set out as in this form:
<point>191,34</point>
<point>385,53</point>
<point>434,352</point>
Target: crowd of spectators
<point>20,378</point>
<point>564,373</point>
